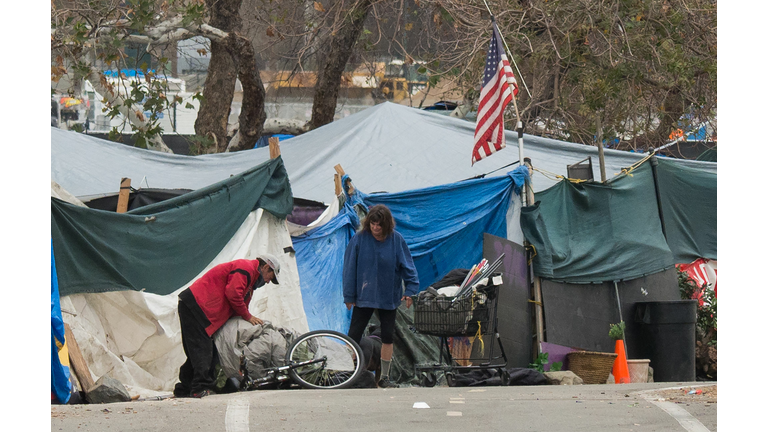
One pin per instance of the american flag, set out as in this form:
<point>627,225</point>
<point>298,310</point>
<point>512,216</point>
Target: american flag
<point>494,98</point>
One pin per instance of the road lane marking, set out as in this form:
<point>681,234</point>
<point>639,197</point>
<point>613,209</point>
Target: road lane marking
<point>236,419</point>
<point>453,413</point>
<point>686,420</point>
<point>682,416</point>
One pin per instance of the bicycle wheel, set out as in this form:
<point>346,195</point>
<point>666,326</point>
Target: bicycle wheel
<point>342,360</point>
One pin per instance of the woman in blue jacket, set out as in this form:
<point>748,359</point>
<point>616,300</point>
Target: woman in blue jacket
<point>376,264</point>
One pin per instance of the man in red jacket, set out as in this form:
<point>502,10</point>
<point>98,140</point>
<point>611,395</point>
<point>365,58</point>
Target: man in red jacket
<point>220,294</point>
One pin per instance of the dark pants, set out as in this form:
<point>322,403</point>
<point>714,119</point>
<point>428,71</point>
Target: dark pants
<point>360,318</point>
<point>198,372</point>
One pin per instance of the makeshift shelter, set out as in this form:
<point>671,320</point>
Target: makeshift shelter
<point>421,159</point>
<point>604,248</point>
<point>120,273</point>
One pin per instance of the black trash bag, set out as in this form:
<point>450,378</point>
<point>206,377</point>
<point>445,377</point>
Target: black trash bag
<point>492,377</point>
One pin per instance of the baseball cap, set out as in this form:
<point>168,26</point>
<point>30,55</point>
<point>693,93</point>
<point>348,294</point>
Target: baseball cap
<point>271,261</point>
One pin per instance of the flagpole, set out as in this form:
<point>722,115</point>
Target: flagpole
<point>526,198</point>
<point>509,53</point>
<point>520,144</point>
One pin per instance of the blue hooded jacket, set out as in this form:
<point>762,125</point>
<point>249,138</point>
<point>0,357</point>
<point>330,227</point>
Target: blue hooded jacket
<point>374,271</point>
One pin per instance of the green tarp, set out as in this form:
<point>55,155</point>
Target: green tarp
<point>160,247</point>
<point>593,232</point>
<point>689,205</point>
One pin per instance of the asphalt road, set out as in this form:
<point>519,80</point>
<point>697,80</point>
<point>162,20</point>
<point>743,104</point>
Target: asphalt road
<point>592,408</point>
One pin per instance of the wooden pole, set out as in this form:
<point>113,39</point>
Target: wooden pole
<point>538,310</point>
<point>125,194</point>
<point>600,153</point>
<point>337,183</point>
<point>340,172</point>
<point>79,366</point>
<point>274,147</point>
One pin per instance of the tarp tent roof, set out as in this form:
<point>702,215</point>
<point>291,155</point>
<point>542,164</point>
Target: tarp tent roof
<point>387,147</point>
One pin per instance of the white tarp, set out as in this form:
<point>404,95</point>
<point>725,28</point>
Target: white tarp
<point>387,147</point>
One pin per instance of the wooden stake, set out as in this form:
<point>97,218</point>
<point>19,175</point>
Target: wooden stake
<point>76,360</point>
<point>340,172</point>
<point>125,193</point>
<point>337,183</point>
<point>274,147</point>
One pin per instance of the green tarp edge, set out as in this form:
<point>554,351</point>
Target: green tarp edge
<point>161,247</point>
<point>689,206</point>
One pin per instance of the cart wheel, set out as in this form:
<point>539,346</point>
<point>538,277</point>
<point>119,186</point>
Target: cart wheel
<point>428,379</point>
<point>449,378</point>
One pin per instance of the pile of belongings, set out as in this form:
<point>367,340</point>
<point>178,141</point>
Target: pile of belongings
<point>262,345</point>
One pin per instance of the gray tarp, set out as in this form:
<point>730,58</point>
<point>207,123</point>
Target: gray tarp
<point>387,147</point>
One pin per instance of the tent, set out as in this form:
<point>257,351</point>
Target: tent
<point>120,274</point>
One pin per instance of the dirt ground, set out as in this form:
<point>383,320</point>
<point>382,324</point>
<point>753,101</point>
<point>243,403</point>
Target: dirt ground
<point>708,394</point>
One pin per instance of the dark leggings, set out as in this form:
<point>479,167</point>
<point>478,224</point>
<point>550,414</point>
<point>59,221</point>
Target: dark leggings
<point>360,318</point>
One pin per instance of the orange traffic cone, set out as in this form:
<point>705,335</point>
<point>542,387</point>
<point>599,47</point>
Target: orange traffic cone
<point>620,368</point>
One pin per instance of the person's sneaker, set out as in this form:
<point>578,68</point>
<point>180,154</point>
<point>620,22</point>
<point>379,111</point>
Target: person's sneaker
<point>384,382</point>
<point>180,391</point>
<point>203,393</point>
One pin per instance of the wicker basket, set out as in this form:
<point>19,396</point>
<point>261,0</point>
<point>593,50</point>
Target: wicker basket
<point>592,367</point>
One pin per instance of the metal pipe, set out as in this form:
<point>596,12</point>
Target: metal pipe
<point>654,164</point>
<point>618,302</point>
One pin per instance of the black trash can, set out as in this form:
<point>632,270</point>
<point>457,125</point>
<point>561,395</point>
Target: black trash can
<point>667,336</point>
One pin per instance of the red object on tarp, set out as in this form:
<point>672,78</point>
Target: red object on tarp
<point>703,272</point>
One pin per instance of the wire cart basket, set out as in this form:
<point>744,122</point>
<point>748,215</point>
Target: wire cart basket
<point>450,317</point>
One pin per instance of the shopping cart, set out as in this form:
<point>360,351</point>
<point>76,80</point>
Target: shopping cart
<point>471,315</point>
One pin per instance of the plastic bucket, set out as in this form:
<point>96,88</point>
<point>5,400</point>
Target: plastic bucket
<point>638,370</point>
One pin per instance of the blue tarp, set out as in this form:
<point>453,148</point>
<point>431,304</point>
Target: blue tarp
<point>61,387</point>
<point>319,258</point>
<point>443,226</point>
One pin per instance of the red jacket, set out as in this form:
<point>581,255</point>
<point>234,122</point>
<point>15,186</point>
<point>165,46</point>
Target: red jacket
<point>225,291</point>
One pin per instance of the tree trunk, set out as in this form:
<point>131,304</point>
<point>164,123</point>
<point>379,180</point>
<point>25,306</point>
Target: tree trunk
<point>336,54</point>
<point>219,87</point>
<point>252,115</point>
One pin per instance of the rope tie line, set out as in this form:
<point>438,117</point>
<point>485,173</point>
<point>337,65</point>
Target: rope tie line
<point>626,171</point>
<point>479,336</point>
<point>553,176</point>
<point>530,259</point>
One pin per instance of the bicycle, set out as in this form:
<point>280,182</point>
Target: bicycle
<point>320,359</point>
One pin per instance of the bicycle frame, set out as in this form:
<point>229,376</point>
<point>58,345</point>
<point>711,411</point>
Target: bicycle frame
<point>274,375</point>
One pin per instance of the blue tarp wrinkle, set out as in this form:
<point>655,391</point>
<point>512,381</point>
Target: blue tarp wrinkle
<point>443,226</point>
<point>61,387</point>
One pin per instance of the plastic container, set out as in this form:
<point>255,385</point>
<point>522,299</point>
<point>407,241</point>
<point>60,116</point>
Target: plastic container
<point>667,335</point>
<point>638,370</point>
